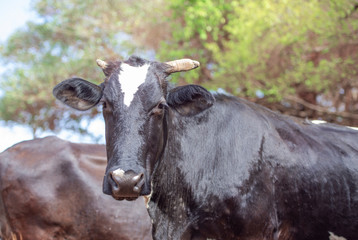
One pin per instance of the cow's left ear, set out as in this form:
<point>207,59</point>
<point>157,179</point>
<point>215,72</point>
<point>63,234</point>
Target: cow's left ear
<point>190,100</point>
<point>78,93</point>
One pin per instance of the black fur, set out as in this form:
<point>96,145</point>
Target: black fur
<point>135,61</point>
<point>78,93</point>
<point>190,99</point>
<point>111,66</point>
<point>235,170</point>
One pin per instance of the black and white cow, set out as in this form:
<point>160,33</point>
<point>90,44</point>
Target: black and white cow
<point>215,166</point>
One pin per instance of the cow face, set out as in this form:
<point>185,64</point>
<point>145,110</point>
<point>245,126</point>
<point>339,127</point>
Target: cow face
<point>136,102</point>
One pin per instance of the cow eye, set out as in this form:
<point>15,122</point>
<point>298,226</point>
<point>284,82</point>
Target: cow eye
<point>105,105</point>
<point>163,105</point>
<point>158,109</point>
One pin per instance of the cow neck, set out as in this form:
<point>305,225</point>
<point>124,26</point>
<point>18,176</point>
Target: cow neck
<point>168,199</point>
<point>162,158</point>
<point>160,154</point>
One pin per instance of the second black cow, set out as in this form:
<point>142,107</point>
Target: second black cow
<point>215,166</point>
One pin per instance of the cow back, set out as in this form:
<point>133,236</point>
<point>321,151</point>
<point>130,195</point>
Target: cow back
<point>52,189</point>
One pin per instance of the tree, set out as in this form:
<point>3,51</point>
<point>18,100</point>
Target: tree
<point>300,55</point>
<point>296,57</point>
<point>65,41</point>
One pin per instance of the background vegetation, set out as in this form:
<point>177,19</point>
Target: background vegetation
<point>295,56</point>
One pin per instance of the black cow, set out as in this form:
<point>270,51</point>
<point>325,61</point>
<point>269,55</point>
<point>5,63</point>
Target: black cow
<point>215,166</point>
<point>51,189</point>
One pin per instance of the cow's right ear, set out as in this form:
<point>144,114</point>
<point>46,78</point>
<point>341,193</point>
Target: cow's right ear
<point>78,93</point>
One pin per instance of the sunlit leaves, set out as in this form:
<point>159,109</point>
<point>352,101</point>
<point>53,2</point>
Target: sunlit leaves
<point>275,48</point>
<point>267,45</point>
<point>63,42</point>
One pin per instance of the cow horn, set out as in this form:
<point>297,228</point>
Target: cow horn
<point>101,64</point>
<point>181,65</point>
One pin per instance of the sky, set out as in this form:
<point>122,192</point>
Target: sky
<point>14,14</point>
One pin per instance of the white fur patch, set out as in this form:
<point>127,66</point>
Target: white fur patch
<point>130,79</point>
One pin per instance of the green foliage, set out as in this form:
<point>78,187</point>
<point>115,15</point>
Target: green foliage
<point>65,41</point>
<point>279,48</point>
<point>265,45</point>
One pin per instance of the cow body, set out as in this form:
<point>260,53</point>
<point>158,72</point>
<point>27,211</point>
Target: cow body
<point>241,171</point>
<point>218,167</point>
<point>51,189</point>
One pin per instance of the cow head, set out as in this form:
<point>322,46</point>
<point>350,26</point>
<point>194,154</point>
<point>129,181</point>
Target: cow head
<point>136,101</point>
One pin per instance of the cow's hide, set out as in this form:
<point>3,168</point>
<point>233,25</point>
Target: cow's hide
<point>216,166</point>
<point>52,189</point>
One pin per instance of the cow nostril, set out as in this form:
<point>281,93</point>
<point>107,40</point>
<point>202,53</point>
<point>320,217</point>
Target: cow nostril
<point>126,184</point>
<point>138,178</point>
<point>136,189</point>
<point>138,181</point>
<point>115,182</point>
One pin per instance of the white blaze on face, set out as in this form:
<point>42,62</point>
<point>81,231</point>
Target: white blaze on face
<point>130,79</point>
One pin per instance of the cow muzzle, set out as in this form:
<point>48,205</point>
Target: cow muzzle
<point>125,185</point>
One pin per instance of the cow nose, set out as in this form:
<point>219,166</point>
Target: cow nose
<point>128,185</point>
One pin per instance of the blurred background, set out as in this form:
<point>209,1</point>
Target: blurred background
<point>298,57</point>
